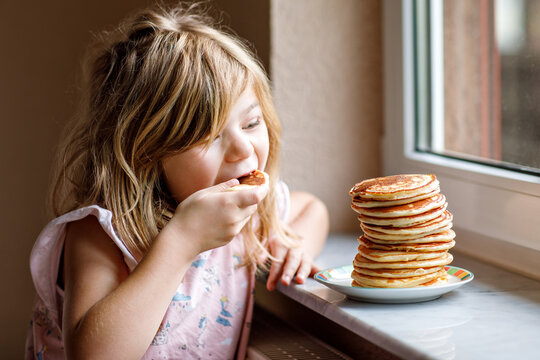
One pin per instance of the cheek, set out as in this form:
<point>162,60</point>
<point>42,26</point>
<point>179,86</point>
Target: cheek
<point>263,149</point>
<point>174,173</point>
<point>187,173</point>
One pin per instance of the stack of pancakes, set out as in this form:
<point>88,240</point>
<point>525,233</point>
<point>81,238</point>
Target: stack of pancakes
<point>407,232</point>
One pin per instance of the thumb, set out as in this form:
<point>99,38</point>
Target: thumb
<point>224,185</point>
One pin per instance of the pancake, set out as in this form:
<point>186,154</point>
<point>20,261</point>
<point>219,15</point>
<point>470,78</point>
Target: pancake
<point>358,202</point>
<point>440,223</point>
<point>413,208</point>
<point>398,273</point>
<point>254,178</point>
<point>362,262</point>
<point>395,187</point>
<point>372,281</point>
<point>441,280</point>
<point>389,237</point>
<point>402,246</point>
<point>387,256</point>
<point>445,236</point>
<point>407,232</point>
<point>404,221</point>
<point>438,281</point>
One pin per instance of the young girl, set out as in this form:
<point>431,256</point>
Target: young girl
<point>154,256</point>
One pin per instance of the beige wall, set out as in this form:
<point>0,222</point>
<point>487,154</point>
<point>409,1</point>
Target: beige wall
<point>41,45</point>
<point>327,83</point>
<point>326,69</point>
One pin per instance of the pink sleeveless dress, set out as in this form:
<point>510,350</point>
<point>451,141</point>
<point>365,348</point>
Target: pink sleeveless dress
<point>208,317</point>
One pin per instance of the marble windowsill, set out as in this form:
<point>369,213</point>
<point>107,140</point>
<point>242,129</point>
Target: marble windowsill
<point>496,316</point>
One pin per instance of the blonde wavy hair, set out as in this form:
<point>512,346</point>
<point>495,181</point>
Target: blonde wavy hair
<point>161,83</point>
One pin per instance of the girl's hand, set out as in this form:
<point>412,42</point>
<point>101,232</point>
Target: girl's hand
<point>290,262</point>
<point>308,218</point>
<point>212,217</point>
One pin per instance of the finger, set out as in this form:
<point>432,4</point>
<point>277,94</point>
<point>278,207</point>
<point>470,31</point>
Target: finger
<point>262,191</point>
<point>225,185</point>
<point>252,196</point>
<point>275,269</point>
<point>248,211</point>
<point>304,270</point>
<point>246,215</point>
<point>314,269</point>
<point>291,266</point>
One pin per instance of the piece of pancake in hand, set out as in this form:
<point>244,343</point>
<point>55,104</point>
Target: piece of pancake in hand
<point>254,178</point>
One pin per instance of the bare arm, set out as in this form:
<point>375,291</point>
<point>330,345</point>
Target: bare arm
<point>103,303</point>
<point>309,220</point>
<point>110,314</point>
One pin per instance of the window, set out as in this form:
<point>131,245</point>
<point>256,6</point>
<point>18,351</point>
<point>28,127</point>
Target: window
<point>477,81</point>
<point>452,108</point>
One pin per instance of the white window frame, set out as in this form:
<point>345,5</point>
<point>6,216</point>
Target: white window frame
<point>496,211</point>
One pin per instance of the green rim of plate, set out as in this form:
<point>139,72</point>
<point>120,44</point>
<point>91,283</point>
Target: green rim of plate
<point>330,273</point>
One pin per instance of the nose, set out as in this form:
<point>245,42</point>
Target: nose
<point>239,147</point>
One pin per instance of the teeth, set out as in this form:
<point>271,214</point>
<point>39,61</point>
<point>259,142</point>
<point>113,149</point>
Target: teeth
<point>407,232</point>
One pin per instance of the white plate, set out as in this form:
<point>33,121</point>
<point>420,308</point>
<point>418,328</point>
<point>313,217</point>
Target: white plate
<point>339,279</point>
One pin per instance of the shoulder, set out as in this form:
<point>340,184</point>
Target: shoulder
<point>87,227</point>
<point>87,230</point>
<point>88,243</point>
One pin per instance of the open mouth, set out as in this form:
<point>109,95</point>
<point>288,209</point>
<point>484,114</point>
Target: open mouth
<point>256,177</point>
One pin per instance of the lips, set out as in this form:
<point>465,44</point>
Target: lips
<point>245,174</point>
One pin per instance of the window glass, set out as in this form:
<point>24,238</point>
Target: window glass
<point>477,81</point>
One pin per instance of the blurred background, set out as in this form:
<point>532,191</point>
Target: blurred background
<point>324,60</point>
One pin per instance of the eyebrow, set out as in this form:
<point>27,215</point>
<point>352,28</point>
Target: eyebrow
<point>254,105</point>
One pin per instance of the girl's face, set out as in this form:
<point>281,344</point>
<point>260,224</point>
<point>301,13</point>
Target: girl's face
<point>241,147</point>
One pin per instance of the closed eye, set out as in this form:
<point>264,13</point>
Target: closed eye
<point>253,123</point>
